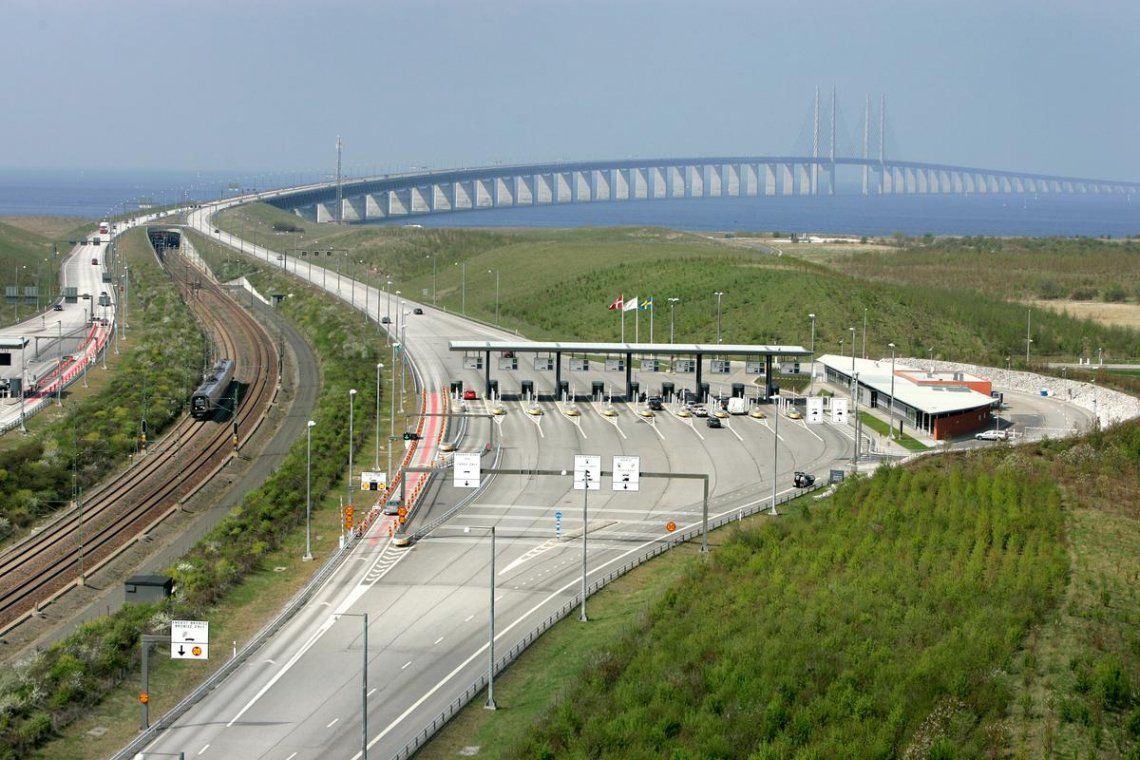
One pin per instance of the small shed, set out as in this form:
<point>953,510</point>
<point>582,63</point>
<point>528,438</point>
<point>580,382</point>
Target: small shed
<point>148,588</point>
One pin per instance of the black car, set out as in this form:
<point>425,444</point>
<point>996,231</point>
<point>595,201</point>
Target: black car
<point>417,310</point>
<point>804,479</point>
<point>713,422</point>
<point>385,320</point>
<point>57,307</point>
<point>686,396</point>
<point>656,404</point>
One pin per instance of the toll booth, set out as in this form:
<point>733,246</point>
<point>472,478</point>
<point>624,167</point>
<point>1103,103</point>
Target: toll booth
<point>147,588</point>
<point>527,389</point>
<point>456,387</point>
<point>702,391</point>
<point>634,391</point>
<point>598,390</point>
<point>738,390</point>
<point>667,391</point>
<point>15,387</point>
<point>563,389</point>
<point>493,388</point>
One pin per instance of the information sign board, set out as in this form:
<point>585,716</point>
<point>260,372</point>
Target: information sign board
<point>189,640</point>
<point>754,368</point>
<point>508,362</point>
<point>839,411</point>
<point>373,481</point>
<point>544,363</point>
<point>683,365</point>
<point>650,365</point>
<point>720,366</point>
<point>615,365</point>
<point>473,361</point>
<point>627,473</point>
<point>467,470</point>
<point>579,365</point>
<point>814,410</point>
<point>587,472</point>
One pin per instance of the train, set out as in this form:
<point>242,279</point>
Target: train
<point>206,398</point>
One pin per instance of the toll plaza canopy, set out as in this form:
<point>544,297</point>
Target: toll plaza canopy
<point>697,351</point>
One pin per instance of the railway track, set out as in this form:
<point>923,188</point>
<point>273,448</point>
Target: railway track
<point>45,565</point>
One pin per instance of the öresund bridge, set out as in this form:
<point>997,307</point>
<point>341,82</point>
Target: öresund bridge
<point>468,189</point>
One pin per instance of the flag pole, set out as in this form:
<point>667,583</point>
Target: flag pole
<point>637,324</point>
<point>652,308</point>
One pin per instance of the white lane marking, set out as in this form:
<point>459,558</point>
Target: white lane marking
<point>612,420</point>
<point>805,425</point>
<point>203,749</point>
<point>650,421</point>
<point>272,662</point>
<point>724,424</point>
<point>468,619</point>
<point>543,547</point>
<point>764,423</point>
<point>332,723</point>
<point>353,595</point>
<point>437,640</point>
<point>291,756</point>
<point>537,420</point>
<point>372,692</point>
<point>406,664</point>
<point>553,595</point>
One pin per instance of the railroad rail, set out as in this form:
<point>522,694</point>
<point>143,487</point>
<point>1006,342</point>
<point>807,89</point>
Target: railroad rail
<point>43,566</point>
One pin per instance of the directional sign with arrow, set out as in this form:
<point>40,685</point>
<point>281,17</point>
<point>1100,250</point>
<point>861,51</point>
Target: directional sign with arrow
<point>189,640</point>
<point>467,470</point>
<point>627,473</point>
<point>587,472</point>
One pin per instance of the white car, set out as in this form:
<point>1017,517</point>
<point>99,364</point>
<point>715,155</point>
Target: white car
<point>991,435</point>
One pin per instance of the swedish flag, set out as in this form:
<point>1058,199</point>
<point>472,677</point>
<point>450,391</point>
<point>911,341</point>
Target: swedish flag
<point>647,304</point>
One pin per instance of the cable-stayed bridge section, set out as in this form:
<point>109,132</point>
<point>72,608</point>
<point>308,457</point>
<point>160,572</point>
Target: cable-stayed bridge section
<point>435,192</point>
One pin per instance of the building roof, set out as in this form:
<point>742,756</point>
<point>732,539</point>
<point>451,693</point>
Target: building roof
<point>699,349</point>
<point>931,399</point>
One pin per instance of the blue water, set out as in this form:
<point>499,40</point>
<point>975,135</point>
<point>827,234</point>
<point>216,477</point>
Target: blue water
<point>95,194</point>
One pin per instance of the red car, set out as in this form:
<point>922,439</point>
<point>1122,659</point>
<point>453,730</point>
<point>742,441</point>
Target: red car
<point>470,395</point>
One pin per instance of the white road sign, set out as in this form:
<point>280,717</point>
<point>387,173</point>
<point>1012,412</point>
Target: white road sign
<point>587,472</point>
<point>839,411</point>
<point>373,481</point>
<point>814,410</point>
<point>627,473</point>
<point>189,639</point>
<point>467,470</point>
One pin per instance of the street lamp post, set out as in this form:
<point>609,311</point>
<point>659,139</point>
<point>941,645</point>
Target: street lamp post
<point>864,332</point>
<point>1100,357</point>
<point>309,491</point>
<point>775,448</point>
<point>490,705</point>
<point>811,367</point>
<point>363,683</point>
<point>1028,334</point>
<point>392,414</point>
<point>672,302</point>
<point>434,276</point>
<point>892,414</point>
<point>376,460</point>
<point>348,480</point>
<point>496,271</point>
<point>718,294</point>
<point>388,291</point>
<point>585,499</point>
<point>59,366</point>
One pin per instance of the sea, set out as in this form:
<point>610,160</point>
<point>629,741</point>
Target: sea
<point>96,194</point>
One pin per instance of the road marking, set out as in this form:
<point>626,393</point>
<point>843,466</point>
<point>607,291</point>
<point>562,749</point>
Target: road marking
<point>468,619</point>
<point>406,664</point>
<point>272,662</point>
<point>330,725</point>
<point>372,692</point>
<point>203,749</point>
<point>543,547</point>
<point>764,423</point>
<point>724,424</point>
<point>438,640</point>
<point>291,756</point>
<point>802,422</point>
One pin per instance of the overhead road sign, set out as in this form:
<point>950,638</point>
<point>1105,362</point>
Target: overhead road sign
<point>702,349</point>
<point>373,481</point>
<point>627,473</point>
<point>467,470</point>
<point>587,472</point>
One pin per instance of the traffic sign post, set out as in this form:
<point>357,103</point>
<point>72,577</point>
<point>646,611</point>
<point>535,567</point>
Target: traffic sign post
<point>587,472</point>
<point>466,470</point>
<point>627,473</point>
<point>189,640</point>
<point>558,525</point>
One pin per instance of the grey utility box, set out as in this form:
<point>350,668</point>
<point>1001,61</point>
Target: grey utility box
<point>148,588</point>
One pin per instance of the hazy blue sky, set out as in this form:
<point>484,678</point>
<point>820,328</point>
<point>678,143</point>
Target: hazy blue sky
<point>266,85</point>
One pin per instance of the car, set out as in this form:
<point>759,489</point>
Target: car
<point>385,320</point>
<point>804,479</point>
<point>992,435</point>
<point>508,354</point>
<point>686,396</point>
<point>713,422</point>
<point>393,506</point>
<point>217,231</point>
<point>470,395</point>
<point>417,310</point>
<point>94,262</point>
<point>57,307</point>
<point>699,411</point>
<point>656,403</point>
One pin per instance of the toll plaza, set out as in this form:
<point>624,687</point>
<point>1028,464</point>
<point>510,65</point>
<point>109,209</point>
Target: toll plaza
<point>677,358</point>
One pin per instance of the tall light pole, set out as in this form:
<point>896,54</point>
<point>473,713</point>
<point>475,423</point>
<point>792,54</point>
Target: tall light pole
<point>1028,334</point>
<point>308,491</point>
<point>348,480</point>
<point>852,350</point>
<point>463,289</point>
<point>376,460</point>
<point>388,290</point>
<point>719,294</point>
<point>585,499</point>
<point>1100,356</point>
<point>496,271</point>
<point>59,377</point>
<point>434,276</point>
<point>392,414</point>
<point>363,684</point>
<point>490,705</point>
<point>811,368</point>
<point>892,415</point>
<point>672,302</point>
<point>864,332</point>
<point>775,447</point>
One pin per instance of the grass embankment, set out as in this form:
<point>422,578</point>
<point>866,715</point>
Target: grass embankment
<point>96,428</point>
<point>883,428</point>
<point>888,621</point>
<point>27,258</point>
<point>236,577</point>
<point>558,283</point>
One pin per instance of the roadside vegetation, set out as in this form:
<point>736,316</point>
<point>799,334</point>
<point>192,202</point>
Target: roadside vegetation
<point>225,577</point>
<point>79,444</point>
<point>27,257</point>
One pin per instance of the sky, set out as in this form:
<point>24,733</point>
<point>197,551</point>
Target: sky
<point>267,85</point>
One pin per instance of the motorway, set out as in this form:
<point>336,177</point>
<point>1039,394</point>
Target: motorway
<point>299,696</point>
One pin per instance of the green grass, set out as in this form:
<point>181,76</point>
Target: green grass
<point>558,283</point>
<point>882,428</point>
<point>27,258</point>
